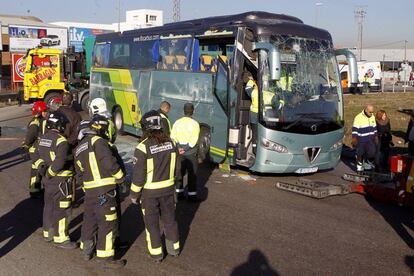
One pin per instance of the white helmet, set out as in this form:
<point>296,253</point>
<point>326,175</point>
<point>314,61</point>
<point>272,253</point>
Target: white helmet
<point>97,106</point>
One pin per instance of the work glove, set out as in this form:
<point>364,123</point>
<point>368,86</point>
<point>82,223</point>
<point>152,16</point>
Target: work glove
<point>392,144</point>
<point>136,198</point>
<point>42,170</point>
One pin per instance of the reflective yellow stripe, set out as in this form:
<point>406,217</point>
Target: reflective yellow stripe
<point>168,121</point>
<point>94,139</point>
<point>99,183</point>
<point>51,172</point>
<point>94,166</point>
<point>34,122</point>
<point>64,204</point>
<point>33,180</point>
<point>65,173</point>
<point>150,170</point>
<point>60,140</point>
<point>176,245</point>
<point>109,251</point>
<point>141,146</point>
<point>45,234</point>
<point>80,165</point>
<point>81,245</point>
<point>119,174</point>
<point>111,217</point>
<point>112,208</point>
<point>159,185</point>
<point>32,149</point>
<point>172,164</point>
<point>62,232</point>
<point>52,155</point>
<point>135,188</point>
<point>37,163</point>
<point>152,251</point>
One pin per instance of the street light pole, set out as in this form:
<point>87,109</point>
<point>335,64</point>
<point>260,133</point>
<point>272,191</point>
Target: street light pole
<point>318,4</point>
<point>119,15</point>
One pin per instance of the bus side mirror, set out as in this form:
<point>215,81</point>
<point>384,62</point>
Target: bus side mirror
<point>274,58</point>
<point>352,64</point>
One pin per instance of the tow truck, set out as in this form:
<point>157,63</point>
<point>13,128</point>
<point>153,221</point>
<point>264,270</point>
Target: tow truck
<point>51,72</point>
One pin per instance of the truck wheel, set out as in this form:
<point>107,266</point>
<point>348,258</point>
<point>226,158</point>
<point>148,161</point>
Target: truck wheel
<point>204,141</point>
<point>50,96</point>
<point>118,119</point>
<point>84,103</point>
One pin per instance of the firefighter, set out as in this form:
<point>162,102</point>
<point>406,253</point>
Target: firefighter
<point>155,165</point>
<point>56,174</point>
<point>98,106</point>
<point>100,172</point>
<point>74,119</point>
<point>185,132</point>
<point>365,139</point>
<point>165,121</point>
<point>35,129</point>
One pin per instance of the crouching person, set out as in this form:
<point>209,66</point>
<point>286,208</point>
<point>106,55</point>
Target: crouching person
<point>100,172</point>
<point>155,165</point>
<point>56,171</point>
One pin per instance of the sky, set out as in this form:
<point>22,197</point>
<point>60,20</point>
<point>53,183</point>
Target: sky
<point>388,23</point>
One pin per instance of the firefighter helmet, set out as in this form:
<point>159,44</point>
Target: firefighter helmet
<point>100,124</point>
<point>55,103</point>
<point>38,107</point>
<point>97,106</point>
<point>57,120</point>
<point>151,120</point>
<point>85,128</point>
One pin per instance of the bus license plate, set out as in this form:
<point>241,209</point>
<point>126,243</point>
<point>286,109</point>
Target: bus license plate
<point>306,170</point>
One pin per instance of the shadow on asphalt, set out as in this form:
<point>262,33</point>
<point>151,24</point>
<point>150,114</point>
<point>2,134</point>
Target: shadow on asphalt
<point>256,264</point>
<point>399,219</point>
<point>9,162</point>
<point>185,210</point>
<point>19,223</point>
<point>409,261</point>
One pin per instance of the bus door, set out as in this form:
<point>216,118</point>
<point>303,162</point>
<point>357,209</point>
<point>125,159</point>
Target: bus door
<point>220,121</point>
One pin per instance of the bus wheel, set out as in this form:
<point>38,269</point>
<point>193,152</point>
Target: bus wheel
<point>118,120</point>
<point>50,96</point>
<point>84,103</point>
<point>204,144</point>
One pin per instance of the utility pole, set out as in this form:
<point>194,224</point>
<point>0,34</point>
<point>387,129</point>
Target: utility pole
<point>119,15</point>
<point>382,74</point>
<point>176,11</point>
<point>360,13</point>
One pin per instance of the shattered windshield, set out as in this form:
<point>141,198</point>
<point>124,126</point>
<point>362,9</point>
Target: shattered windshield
<point>308,91</point>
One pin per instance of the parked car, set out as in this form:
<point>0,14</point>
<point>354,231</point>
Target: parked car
<point>50,40</point>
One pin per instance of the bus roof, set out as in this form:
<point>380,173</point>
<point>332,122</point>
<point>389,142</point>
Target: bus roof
<point>261,23</point>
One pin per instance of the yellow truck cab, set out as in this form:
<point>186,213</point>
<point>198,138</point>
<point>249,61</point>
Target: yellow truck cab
<point>43,76</point>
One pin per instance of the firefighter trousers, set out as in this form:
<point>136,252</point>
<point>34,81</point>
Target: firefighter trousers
<point>56,209</point>
<point>35,178</point>
<point>100,224</point>
<point>154,210</point>
<point>189,164</point>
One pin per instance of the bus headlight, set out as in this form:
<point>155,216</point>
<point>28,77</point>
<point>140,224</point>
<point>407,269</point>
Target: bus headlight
<point>337,145</point>
<point>270,145</point>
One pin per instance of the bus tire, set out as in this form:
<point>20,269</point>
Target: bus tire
<point>118,120</point>
<point>84,102</point>
<point>50,96</point>
<point>204,141</point>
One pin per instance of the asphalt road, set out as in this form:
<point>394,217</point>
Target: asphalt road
<point>243,227</point>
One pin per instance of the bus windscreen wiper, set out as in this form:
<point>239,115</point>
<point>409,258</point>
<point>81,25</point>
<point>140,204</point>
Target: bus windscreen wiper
<point>301,115</point>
